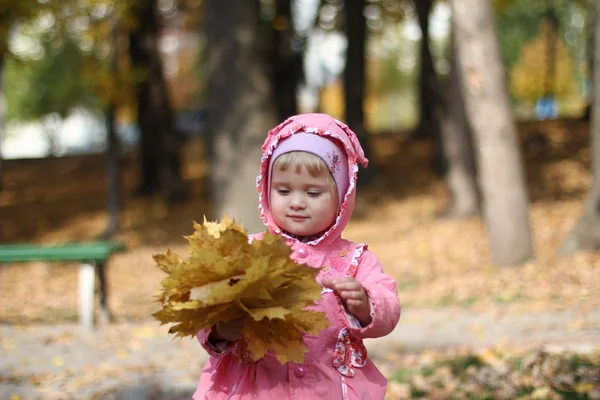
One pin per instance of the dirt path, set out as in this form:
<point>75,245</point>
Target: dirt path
<point>451,327</point>
<point>139,361</point>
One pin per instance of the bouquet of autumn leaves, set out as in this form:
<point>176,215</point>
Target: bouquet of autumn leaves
<point>225,277</point>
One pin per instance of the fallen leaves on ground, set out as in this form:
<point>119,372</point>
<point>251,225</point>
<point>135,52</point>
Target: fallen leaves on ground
<point>115,360</point>
<point>499,375</point>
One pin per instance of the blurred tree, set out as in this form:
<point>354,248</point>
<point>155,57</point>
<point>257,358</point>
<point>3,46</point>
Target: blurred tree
<point>428,86</point>
<point>16,12</point>
<point>2,118</point>
<point>429,92</point>
<point>585,235</point>
<point>385,76</point>
<point>89,23</point>
<point>182,21</point>
<point>66,72</point>
<point>112,159</point>
<point>590,42</point>
<point>518,22</point>
<point>549,53</point>
<point>159,140</point>
<point>45,87</point>
<point>11,13</point>
<point>458,150</point>
<point>354,80</point>
<point>505,202</point>
<point>286,60</point>
<point>239,104</point>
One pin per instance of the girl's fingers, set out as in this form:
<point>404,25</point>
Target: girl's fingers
<point>350,286</point>
<point>350,291</point>
<point>346,279</point>
<point>354,304</point>
<point>354,294</point>
<point>328,283</point>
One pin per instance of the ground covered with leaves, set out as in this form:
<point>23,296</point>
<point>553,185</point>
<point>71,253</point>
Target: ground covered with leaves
<point>493,374</point>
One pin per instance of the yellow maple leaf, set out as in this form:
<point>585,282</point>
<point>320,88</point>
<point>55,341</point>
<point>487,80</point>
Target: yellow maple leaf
<point>225,277</point>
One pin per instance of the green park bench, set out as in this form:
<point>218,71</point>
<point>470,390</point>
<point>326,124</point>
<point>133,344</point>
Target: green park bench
<point>92,257</point>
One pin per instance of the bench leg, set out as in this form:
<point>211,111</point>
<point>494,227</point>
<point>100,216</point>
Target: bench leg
<point>105,316</point>
<point>87,275</point>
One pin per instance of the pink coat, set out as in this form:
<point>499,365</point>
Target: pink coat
<point>336,364</point>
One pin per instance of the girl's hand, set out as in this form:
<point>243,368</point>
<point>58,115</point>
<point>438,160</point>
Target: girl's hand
<point>230,330</point>
<point>353,295</point>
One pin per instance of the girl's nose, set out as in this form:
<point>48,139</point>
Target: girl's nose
<point>297,202</point>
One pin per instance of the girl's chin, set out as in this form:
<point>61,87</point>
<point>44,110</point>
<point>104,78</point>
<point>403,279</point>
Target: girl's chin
<point>300,229</point>
<point>304,233</point>
<point>296,231</point>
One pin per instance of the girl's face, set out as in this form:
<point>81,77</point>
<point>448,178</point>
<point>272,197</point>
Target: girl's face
<point>302,204</point>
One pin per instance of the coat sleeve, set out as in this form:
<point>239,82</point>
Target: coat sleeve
<point>383,295</point>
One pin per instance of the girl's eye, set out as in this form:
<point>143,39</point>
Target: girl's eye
<point>283,192</point>
<point>314,194</point>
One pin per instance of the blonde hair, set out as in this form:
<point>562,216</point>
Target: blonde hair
<point>313,164</point>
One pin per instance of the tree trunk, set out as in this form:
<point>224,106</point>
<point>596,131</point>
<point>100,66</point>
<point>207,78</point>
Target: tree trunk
<point>592,21</point>
<point>240,106</point>
<point>112,174</point>
<point>428,124</point>
<point>112,155</point>
<point>354,80</point>
<point>429,94</point>
<point>159,141</point>
<point>460,175</point>
<point>52,124</point>
<point>505,202</point>
<point>286,61</point>
<point>2,119</point>
<point>586,232</point>
<point>552,39</point>
<point>591,40</point>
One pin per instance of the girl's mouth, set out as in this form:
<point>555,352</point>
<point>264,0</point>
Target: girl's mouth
<point>297,218</point>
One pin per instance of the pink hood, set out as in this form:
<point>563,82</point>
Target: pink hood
<point>323,125</point>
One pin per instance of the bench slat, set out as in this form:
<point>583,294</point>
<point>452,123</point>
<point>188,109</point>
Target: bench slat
<point>91,251</point>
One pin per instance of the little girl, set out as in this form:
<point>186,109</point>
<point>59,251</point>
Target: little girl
<point>307,187</point>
